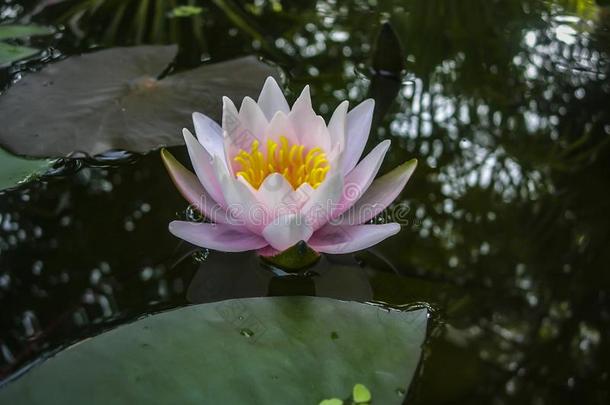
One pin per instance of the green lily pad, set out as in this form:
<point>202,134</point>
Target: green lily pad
<point>19,31</point>
<point>14,169</point>
<point>112,99</point>
<point>260,350</point>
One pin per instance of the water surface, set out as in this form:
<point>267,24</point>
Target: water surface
<point>506,105</point>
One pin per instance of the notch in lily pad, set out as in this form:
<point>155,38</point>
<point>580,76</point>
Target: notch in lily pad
<point>114,100</point>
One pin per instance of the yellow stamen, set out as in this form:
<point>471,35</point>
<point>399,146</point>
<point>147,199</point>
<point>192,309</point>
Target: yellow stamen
<point>297,164</point>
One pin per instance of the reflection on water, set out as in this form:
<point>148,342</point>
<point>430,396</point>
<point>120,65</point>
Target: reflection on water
<point>244,275</point>
<point>504,103</point>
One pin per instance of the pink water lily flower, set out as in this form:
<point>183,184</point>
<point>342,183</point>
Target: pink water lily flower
<point>273,176</point>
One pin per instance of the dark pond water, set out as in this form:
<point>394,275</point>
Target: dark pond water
<point>506,233</point>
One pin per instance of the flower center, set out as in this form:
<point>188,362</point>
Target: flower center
<point>293,162</point>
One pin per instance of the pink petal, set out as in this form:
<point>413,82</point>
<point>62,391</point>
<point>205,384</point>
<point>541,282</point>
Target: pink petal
<point>310,128</point>
<point>303,102</point>
<point>381,194</point>
<point>209,134</point>
<point>236,135</point>
<point>360,178</point>
<point>337,124</point>
<point>339,239</point>
<point>280,125</point>
<point>287,230</point>
<point>230,118</point>
<point>319,205</point>
<point>276,194</point>
<point>191,189</point>
<point>253,118</point>
<point>271,99</point>
<point>241,201</point>
<point>202,163</point>
<point>301,195</point>
<point>358,127</point>
<point>226,238</point>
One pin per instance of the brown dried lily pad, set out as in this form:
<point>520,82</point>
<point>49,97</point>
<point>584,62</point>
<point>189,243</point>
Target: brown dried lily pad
<point>111,99</point>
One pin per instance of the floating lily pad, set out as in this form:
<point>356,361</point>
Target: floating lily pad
<point>281,350</point>
<point>14,169</point>
<point>112,99</point>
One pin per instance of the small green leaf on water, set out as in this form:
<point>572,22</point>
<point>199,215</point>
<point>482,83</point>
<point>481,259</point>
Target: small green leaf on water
<point>334,335</point>
<point>361,394</point>
<point>12,53</point>
<point>20,31</point>
<point>15,170</point>
<point>333,401</point>
<point>185,11</point>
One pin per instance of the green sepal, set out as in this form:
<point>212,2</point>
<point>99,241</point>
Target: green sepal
<point>295,258</point>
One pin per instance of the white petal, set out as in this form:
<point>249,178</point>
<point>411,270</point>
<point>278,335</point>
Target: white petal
<point>301,195</point>
<point>323,200</point>
<point>272,100</point>
<point>209,134</point>
<point>303,102</point>
<point>317,134</point>
<point>203,165</point>
<point>277,194</point>
<point>335,157</point>
<point>236,135</point>
<point>337,124</point>
<point>241,203</point>
<point>230,118</point>
<point>337,239</point>
<point>287,230</point>
<point>357,132</point>
<point>310,128</point>
<point>280,125</point>
<point>252,118</point>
